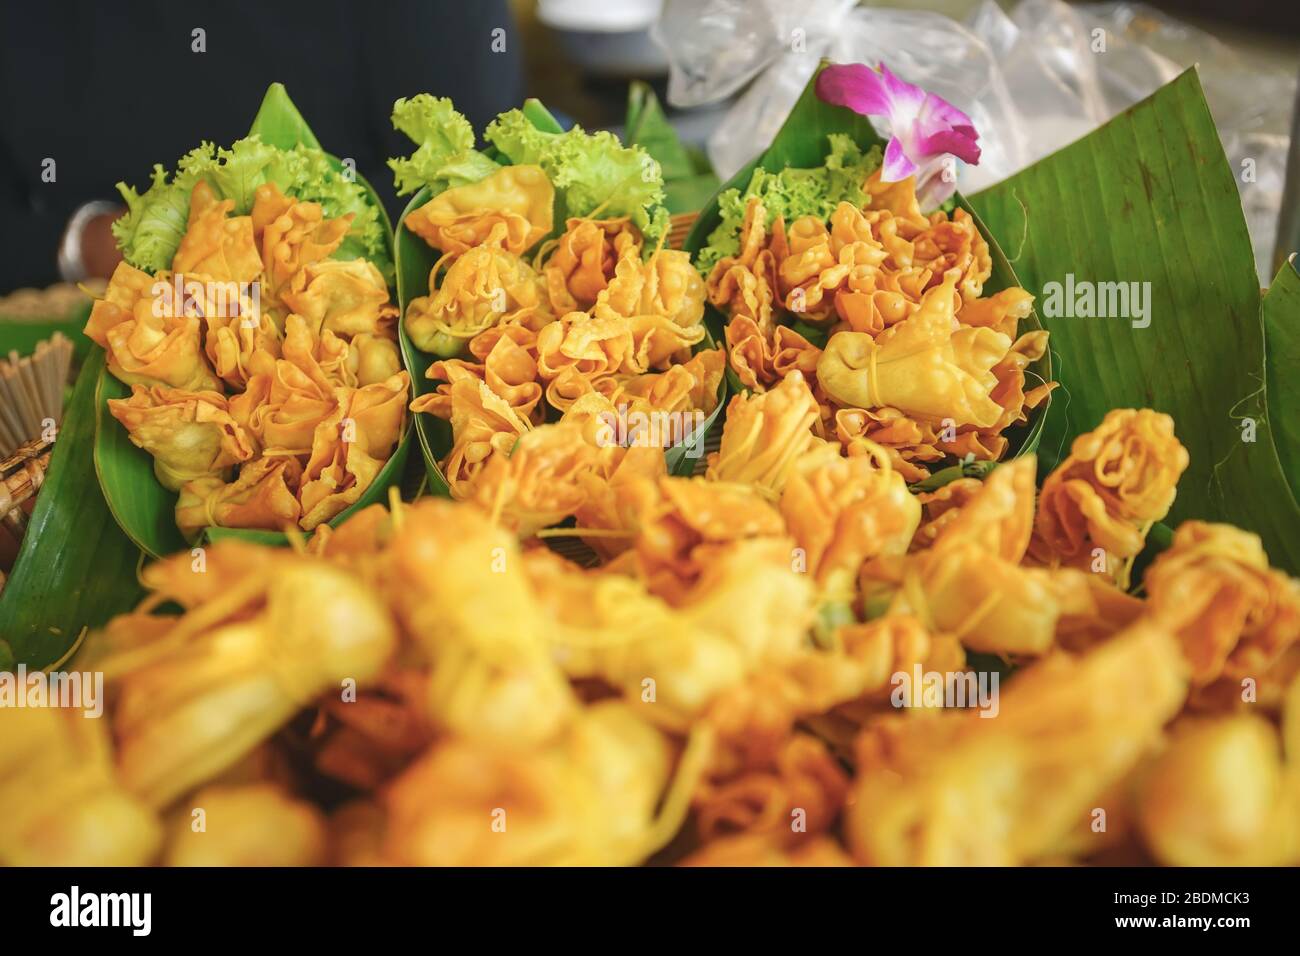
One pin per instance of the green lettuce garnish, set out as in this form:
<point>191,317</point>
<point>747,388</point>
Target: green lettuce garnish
<point>594,172</point>
<point>151,231</point>
<point>792,193</point>
<point>445,154</point>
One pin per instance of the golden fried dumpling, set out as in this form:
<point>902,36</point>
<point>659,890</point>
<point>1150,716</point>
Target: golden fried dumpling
<point>291,235</point>
<point>745,285</point>
<point>540,483</point>
<point>349,448</point>
<point>959,789</point>
<point>216,244</point>
<point>228,674</point>
<point>759,360</point>
<point>765,436</point>
<point>593,346</point>
<point>843,512</point>
<point>254,824</point>
<point>150,338</point>
<point>61,803</point>
<point>665,285</point>
<point>458,584</point>
<point>1232,613</point>
<point>284,409</point>
<point>345,296</point>
<point>1118,480</point>
<point>586,799</point>
<point>482,423</point>
<point>511,208</point>
<point>263,495</point>
<point>1220,795</point>
<point>372,358</point>
<point>691,386</point>
<point>189,434</point>
<point>925,365</point>
<point>583,260</point>
<point>127,286</point>
<point>506,361</point>
<point>481,288</point>
<point>239,342</point>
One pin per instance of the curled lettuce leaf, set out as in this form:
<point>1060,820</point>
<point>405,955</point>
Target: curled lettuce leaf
<point>793,193</point>
<point>151,230</point>
<point>445,154</point>
<point>594,172</point>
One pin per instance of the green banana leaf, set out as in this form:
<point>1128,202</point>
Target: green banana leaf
<point>75,569</point>
<point>802,142</point>
<point>1150,198</point>
<point>1280,314</point>
<point>414,259</point>
<point>689,180</point>
<point>24,334</point>
<point>144,509</point>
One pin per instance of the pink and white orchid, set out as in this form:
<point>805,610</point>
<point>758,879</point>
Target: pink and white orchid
<point>925,129</point>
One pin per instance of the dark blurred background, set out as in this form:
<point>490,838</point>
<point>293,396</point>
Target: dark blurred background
<point>106,91</point>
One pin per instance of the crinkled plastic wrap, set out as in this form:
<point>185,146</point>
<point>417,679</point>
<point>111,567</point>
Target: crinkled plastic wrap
<point>1032,80</point>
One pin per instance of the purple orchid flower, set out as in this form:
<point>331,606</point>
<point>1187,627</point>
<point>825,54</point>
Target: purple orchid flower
<point>925,129</point>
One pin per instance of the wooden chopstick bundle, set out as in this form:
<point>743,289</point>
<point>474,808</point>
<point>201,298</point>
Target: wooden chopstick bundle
<point>31,391</point>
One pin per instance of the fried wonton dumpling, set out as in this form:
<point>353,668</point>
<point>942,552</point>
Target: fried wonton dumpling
<point>1221,796</point>
<point>1233,614</point>
<point>760,361</point>
<point>345,296</point>
<point>335,476</point>
<point>506,360</point>
<point>678,526</point>
<point>666,285</point>
<point>350,446</point>
<point>960,789</point>
<point>159,350</point>
<point>969,582</point>
<point>291,235</point>
<point>1118,480</point>
<point>263,495</point>
<point>372,358</point>
<point>127,286</point>
<point>283,409</point>
<point>482,424</point>
<point>845,511</point>
<point>374,415</point>
<point>691,386</point>
<point>593,797</point>
<point>925,365</point>
<point>482,287</point>
<point>457,583</point>
<point>541,482</point>
<point>576,351</point>
<point>511,208</point>
<point>215,243</point>
<point>189,434</point>
<point>583,261</point>
<point>765,436</point>
<point>745,285</point>
<point>61,802</point>
<point>227,675</point>
<point>241,342</point>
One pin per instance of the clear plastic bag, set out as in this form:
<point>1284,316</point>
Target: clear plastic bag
<point>1033,80</point>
